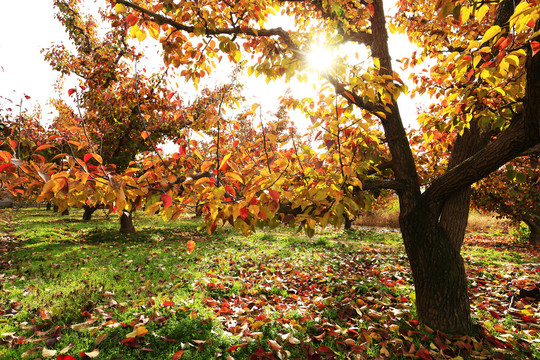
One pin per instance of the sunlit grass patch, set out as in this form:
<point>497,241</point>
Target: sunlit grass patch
<point>342,294</point>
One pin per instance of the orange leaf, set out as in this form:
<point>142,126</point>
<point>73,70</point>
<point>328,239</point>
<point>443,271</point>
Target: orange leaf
<point>43,147</point>
<point>141,330</point>
<point>190,246</point>
<point>144,135</point>
<point>44,314</point>
<point>178,355</point>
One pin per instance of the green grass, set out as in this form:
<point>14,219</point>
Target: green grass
<point>74,286</point>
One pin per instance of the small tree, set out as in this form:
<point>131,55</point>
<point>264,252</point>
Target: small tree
<point>514,193</point>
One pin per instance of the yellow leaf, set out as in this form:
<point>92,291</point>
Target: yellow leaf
<point>120,8</point>
<point>235,176</point>
<point>481,13</point>
<point>98,158</point>
<point>492,32</point>
<point>465,13</point>
<point>224,161</point>
<point>141,35</point>
<point>133,30</point>
<point>153,30</point>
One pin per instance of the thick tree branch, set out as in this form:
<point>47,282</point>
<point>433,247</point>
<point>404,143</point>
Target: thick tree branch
<point>160,19</point>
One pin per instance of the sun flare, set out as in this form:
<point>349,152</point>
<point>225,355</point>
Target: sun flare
<point>320,58</point>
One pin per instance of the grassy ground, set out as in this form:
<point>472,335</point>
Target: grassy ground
<point>81,289</point>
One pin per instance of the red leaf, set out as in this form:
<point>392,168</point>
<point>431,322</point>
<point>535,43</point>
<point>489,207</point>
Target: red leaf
<point>244,213</point>
<point>325,350</point>
<point>71,91</point>
<point>190,246</point>
<point>132,19</point>
<point>26,96</point>
<point>65,357</point>
<point>5,166</point>
<point>178,355</point>
<point>168,303</point>
<point>182,150</point>
<point>274,194</point>
<point>423,354</point>
<point>87,157</point>
<point>167,200</point>
<point>535,45</point>
<point>371,9</point>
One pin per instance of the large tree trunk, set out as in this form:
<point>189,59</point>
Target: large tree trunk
<point>440,280</point>
<point>126,222</point>
<point>88,212</point>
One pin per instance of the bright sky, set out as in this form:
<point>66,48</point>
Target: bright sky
<point>26,28</point>
<point>23,70</point>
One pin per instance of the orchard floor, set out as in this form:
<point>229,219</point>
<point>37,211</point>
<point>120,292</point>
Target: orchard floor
<point>78,290</point>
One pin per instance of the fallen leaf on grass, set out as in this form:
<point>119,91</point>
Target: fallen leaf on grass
<point>274,345</point>
<point>177,355</point>
<point>84,325</point>
<point>190,246</point>
<point>93,354</point>
<point>47,353</point>
<point>100,338</point>
<point>65,357</point>
<point>44,314</point>
<point>140,331</point>
<point>30,352</point>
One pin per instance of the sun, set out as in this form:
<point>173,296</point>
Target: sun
<point>320,58</point>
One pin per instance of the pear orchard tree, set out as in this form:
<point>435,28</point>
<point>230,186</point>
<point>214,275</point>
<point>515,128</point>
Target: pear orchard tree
<point>487,79</point>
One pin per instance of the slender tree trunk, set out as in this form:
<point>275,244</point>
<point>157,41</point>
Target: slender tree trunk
<point>65,212</point>
<point>88,212</point>
<point>534,228</point>
<point>348,222</point>
<point>126,222</point>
